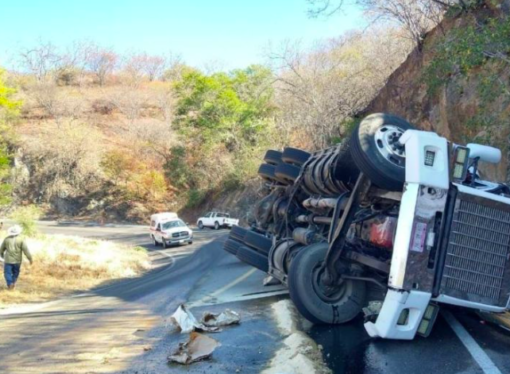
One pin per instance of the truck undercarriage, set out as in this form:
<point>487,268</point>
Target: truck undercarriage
<point>390,222</point>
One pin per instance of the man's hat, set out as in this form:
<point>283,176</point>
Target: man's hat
<point>14,230</point>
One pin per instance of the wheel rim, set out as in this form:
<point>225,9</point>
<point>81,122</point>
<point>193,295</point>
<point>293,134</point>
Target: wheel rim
<point>387,143</point>
<point>325,293</point>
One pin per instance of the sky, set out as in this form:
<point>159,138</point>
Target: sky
<point>230,33</point>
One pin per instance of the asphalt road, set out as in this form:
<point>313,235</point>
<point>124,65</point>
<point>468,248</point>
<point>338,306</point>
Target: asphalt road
<point>122,327</point>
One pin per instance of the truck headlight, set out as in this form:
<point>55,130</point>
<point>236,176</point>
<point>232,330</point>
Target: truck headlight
<point>460,163</point>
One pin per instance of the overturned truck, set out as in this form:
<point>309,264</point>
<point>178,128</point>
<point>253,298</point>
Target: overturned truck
<point>391,222</point>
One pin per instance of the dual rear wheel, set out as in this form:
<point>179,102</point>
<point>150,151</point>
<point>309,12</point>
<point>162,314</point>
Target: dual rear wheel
<point>313,299</point>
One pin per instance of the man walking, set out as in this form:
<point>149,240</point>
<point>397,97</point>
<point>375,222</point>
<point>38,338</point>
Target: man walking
<point>11,252</point>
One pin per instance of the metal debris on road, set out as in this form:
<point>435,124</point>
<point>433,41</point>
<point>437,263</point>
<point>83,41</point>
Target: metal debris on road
<point>186,322</point>
<point>199,347</point>
<point>226,318</point>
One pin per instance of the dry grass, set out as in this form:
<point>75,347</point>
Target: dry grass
<point>66,263</point>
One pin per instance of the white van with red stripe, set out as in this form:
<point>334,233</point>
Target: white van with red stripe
<point>168,229</point>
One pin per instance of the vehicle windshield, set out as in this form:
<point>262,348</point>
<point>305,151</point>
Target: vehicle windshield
<point>172,224</point>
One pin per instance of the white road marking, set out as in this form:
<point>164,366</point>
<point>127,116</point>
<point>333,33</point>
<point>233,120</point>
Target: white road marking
<point>471,345</point>
<point>218,292</point>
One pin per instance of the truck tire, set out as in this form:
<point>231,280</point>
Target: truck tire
<point>295,156</point>
<point>237,233</point>
<point>200,225</point>
<point>267,172</point>
<point>306,291</point>
<point>273,157</point>
<point>376,151</point>
<point>232,246</point>
<point>216,225</point>
<point>287,172</point>
<point>251,257</point>
<point>257,241</point>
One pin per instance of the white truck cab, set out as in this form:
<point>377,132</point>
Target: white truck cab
<point>168,229</point>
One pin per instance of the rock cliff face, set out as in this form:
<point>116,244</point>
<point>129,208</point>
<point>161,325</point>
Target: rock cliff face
<point>239,203</point>
<point>458,82</point>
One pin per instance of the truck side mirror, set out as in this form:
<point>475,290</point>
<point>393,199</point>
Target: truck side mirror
<point>484,153</point>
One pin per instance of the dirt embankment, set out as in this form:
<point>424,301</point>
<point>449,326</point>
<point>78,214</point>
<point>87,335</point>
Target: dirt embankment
<point>443,87</point>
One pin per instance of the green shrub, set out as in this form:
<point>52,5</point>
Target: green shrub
<point>195,197</point>
<point>26,217</point>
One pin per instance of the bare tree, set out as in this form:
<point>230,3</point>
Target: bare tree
<point>102,62</point>
<point>416,17</point>
<point>154,67</point>
<point>74,62</point>
<point>40,60</point>
<point>134,67</point>
<point>319,91</point>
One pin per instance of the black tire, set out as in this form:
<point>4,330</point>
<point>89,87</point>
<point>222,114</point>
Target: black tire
<point>273,157</point>
<point>238,233</point>
<point>164,243</point>
<point>287,172</point>
<point>216,225</point>
<point>304,290</point>
<point>251,257</point>
<point>259,242</point>
<point>231,246</point>
<point>295,156</point>
<point>387,172</point>
<point>190,242</point>
<point>200,225</point>
<point>156,244</point>
<point>266,172</point>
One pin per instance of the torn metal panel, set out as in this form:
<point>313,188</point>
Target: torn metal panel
<point>199,347</point>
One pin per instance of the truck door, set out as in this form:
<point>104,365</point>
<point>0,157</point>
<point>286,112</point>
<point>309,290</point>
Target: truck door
<point>208,220</point>
<point>158,234</point>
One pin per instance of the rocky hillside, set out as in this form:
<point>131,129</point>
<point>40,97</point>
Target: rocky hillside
<point>458,81</point>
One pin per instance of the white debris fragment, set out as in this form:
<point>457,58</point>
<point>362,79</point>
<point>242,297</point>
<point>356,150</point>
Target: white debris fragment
<point>198,347</point>
<point>186,322</point>
<point>228,317</point>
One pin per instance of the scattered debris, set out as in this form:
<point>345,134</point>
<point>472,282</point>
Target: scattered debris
<point>226,318</point>
<point>147,349</point>
<point>198,347</point>
<point>186,322</point>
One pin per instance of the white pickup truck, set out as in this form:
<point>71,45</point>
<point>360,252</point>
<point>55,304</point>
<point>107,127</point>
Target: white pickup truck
<point>216,220</point>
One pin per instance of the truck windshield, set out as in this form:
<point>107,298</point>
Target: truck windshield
<point>172,224</point>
